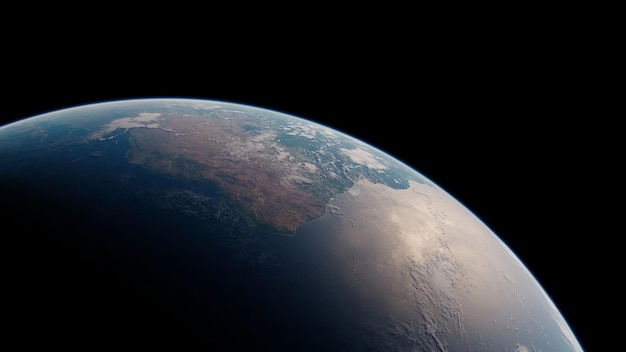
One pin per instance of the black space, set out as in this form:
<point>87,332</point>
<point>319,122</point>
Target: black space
<point>495,127</point>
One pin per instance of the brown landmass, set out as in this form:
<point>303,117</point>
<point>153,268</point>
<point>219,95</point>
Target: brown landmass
<point>248,169</point>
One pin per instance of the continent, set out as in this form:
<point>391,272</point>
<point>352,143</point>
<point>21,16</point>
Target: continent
<point>278,186</point>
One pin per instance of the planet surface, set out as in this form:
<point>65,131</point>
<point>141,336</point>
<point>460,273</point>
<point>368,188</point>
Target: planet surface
<point>197,224</point>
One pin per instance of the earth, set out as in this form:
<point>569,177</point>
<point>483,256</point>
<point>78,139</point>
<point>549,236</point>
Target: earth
<point>196,224</point>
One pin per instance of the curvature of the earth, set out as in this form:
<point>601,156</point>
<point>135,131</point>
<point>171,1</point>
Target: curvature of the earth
<point>204,224</point>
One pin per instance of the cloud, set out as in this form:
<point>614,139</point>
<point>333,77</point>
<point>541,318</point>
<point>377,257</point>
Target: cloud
<point>363,157</point>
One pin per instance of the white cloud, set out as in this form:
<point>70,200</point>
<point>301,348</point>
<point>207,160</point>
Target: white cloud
<point>140,121</point>
<point>363,157</point>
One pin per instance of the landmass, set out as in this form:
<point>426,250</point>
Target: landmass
<point>280,171</point>
<point>271,183</point>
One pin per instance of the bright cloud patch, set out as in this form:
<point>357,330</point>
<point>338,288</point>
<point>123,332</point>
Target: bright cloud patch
<point>363,157</point>
<point>140,121</point>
